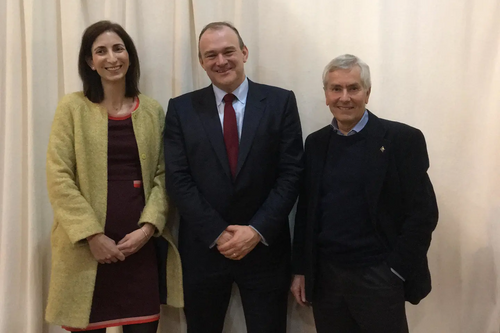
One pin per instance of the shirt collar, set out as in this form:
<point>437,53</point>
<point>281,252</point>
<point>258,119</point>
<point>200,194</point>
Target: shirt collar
<point>356,129</point>
<point>241,92</point>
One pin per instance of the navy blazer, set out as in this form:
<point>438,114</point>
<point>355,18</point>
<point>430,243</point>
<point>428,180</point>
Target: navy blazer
<point>266,185</point>
<point>401,200</point>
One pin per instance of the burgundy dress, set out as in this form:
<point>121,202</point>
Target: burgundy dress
<point>125,292</point>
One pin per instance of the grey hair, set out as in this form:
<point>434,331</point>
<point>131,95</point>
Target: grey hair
<point>348,61</point>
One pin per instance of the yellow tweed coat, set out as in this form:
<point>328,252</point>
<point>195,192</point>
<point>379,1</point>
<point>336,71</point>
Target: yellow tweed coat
<point>77,185</point>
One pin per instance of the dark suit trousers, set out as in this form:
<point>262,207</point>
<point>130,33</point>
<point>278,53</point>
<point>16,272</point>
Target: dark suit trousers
<point>359,300</point>
<point>263,290</point>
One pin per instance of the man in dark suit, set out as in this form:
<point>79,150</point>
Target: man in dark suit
<point>365,214</point>
<point>233,154</point>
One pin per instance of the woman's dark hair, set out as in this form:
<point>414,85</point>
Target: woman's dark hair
<point>92,86</point>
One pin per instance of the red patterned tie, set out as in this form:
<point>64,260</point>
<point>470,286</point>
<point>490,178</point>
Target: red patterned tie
<point>231,133</point>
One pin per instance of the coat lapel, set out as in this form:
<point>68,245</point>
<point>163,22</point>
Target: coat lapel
<point>315,157</point>
<point>378,155</point>
<point>204,105</point>
<point>317,162</point>
<point>254,110</point>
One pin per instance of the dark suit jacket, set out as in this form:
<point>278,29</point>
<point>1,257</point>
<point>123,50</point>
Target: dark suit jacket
<point>401,200</point>
<point>199,181</point>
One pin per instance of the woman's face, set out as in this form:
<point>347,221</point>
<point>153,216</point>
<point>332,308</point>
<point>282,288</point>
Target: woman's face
<point>109,57</point>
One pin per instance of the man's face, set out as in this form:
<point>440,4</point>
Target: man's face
<point>222,58</point>
<point>346,97</point>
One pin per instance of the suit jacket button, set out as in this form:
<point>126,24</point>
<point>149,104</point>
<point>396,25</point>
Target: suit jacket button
<point>143,156</point>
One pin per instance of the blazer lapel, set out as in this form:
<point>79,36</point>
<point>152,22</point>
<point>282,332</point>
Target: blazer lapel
<point>204,105</point>
<point>318,160</point>
<point>254,110</point>
<point>378,155</point>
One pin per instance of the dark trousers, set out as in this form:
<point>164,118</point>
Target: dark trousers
<point>359,300</point>
<point>264,295</point>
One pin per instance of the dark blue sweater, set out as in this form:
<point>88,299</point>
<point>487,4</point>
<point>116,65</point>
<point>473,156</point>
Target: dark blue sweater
<point>347,236</point>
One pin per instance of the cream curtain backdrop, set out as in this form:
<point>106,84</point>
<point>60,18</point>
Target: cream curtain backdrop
<point>435,65</point>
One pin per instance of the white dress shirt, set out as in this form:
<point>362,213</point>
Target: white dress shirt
<point>239,104</point>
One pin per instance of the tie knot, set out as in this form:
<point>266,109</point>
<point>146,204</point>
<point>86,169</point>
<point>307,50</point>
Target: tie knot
<point>229,98</point>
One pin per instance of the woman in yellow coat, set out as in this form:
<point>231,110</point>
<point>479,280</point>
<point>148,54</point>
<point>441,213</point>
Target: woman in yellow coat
<point>105,178</point>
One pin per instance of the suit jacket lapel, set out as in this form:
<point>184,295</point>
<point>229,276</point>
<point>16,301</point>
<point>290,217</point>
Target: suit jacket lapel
<point>379,151</point>
<point>204,105</point>
<point>254,110</point>
<point>316,163</point>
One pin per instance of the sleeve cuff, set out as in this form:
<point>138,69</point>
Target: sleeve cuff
<point>262,239</point>
<point>397,274</point>
<point>215,241</point>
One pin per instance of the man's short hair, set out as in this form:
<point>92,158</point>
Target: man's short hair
<point>218,26</point>
<point>348,61</point>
